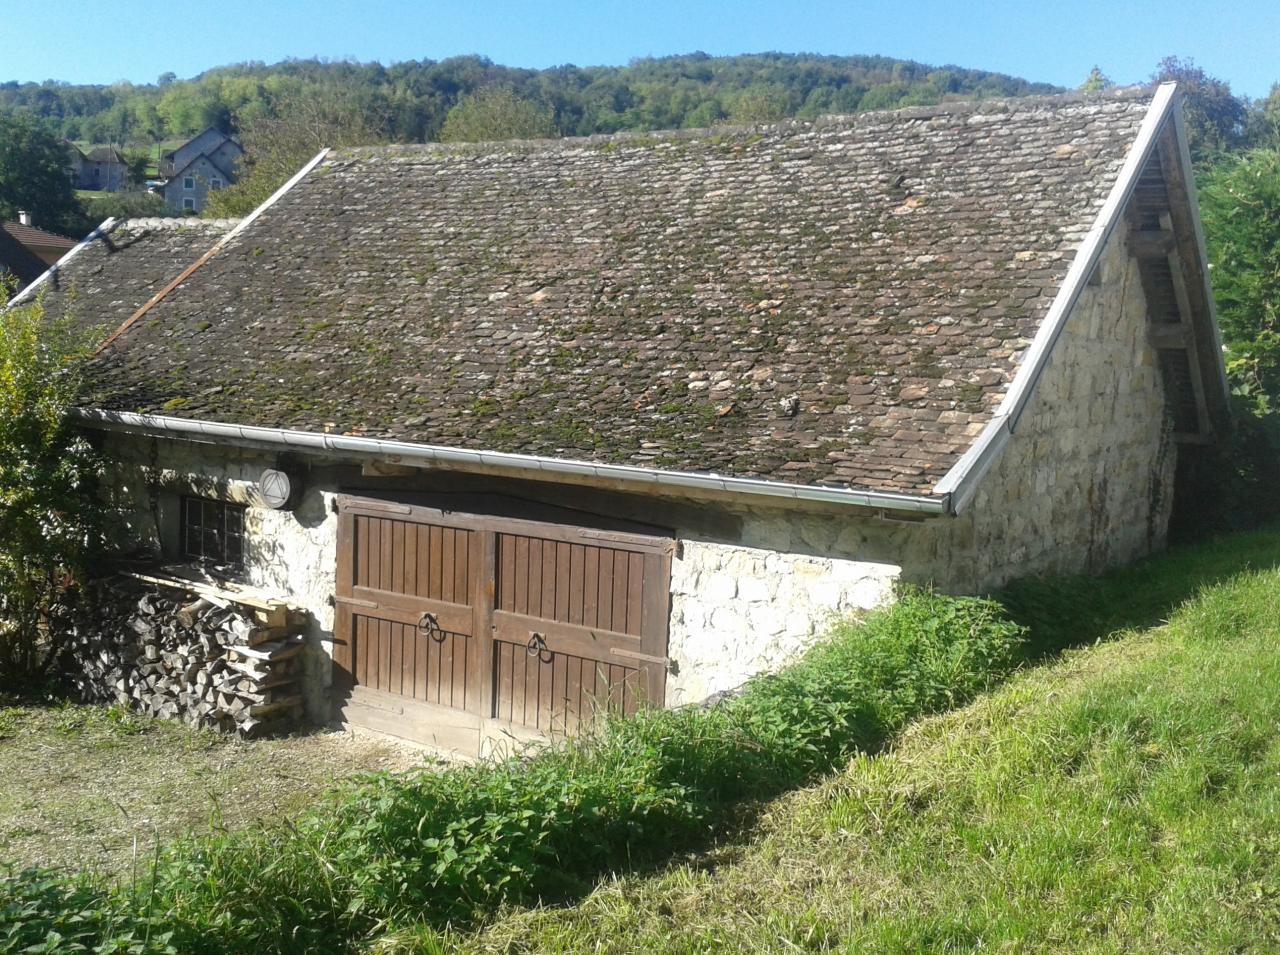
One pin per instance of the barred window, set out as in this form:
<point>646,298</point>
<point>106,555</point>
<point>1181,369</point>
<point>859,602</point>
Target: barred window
<point>213,531</point>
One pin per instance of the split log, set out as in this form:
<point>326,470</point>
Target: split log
<point>188,614</point>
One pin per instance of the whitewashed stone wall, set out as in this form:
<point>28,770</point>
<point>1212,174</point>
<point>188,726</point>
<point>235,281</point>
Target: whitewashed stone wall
<point>738,611</point>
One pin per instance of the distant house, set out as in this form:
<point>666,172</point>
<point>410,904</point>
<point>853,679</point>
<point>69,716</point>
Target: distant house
<point>204,164</point>
<point>103,168</point>
<point>25,251</point>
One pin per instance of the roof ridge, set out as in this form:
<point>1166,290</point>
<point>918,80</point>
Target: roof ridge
<point>176,222</point>
<point>958,107</point>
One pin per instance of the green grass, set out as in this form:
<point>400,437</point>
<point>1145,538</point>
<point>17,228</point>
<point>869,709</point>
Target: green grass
<point>1125,797</point>
<point>436,848</point>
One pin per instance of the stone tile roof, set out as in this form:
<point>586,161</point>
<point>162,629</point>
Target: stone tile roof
<point>118,270</point>
<point>840,302</point>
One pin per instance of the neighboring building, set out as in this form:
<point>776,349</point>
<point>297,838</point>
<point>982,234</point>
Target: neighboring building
<point>572,424</point>
<point>102,169</point>
<point>25,251</point>
<point>204,164</point>
<point>121,265</point>
<point>19,266</point>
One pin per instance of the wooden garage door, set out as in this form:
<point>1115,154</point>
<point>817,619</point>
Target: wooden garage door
<point>534,624</point>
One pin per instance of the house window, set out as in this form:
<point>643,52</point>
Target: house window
<point>215,183</point>
<point>213,531</point>
<point>188,203</point>
<point>188,182</point>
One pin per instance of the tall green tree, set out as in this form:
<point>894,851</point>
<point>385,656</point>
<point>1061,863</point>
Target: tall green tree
<point>1096,81</point>
<point>1240,203</point>
<point>1215,117</point>
<point>297,124</point>
<point>495,113</point>
<point>33,175</point>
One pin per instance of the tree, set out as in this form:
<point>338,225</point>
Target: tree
<point>134,204</point>
<point>50,521</point>
<point>1096,81</point>
<point>33,175</point>
<point>494,113</point>
<point>1240,203</point>
<point>1215,118</point>
<point>138,163</point>
<point>301,121</point>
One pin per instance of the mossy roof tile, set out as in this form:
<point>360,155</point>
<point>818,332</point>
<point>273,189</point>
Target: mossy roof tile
<point>839,302</point>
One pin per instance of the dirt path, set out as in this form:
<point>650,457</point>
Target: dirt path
<point>91,787</point>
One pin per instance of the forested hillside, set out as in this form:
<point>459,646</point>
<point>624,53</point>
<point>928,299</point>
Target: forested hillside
<point>408,102</point>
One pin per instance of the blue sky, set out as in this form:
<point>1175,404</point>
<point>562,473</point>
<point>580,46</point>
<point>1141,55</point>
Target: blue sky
<point>77,41</point>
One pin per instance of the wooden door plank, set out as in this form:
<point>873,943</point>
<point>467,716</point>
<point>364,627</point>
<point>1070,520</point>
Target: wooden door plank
<point>561,693</point>
<point>434,555</point>
<point>604,615</point>
<point>397,558</point>
<point>563,581</point>
<point>547,602</point>
<point>591,587</point>
<point>655,624</point>
<point>635,593</point>
<point>480,656</point>
<point>410,559</point>
<point>421,665</point>
<point>461,567</point>
<point>395,671</point>
<point>447,558</point>
<point>524,575</point>
<point>621,567</point>
<point>384,556</point>
<point>505,683</point>
<point>424,561</point>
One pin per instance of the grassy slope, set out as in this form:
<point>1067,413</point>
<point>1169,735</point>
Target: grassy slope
<point>1124,798</point>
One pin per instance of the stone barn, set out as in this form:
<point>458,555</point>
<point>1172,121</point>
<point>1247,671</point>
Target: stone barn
<point>535,429</point>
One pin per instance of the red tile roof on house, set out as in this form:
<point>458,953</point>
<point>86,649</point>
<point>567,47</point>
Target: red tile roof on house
<point>31,237</point>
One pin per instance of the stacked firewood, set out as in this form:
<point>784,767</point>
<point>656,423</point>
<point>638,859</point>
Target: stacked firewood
<point>206,660</point>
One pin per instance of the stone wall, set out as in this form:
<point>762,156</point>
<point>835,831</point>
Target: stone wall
<point>1086,481</point>
<point>737,611</point>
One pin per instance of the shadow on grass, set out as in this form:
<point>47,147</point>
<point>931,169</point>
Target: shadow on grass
<point>1064,612</point>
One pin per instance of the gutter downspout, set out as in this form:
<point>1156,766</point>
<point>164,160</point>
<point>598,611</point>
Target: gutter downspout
<point>279,439</point>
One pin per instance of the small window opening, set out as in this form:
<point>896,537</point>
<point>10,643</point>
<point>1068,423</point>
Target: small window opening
<point>213,531</point>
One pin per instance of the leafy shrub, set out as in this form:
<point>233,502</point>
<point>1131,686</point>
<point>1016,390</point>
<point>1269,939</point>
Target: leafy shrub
<point>49,517</point>
<point>449,846</point>
<point>40,912</point>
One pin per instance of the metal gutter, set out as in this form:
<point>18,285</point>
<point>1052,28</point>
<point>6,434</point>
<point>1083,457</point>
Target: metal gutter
<point>960,484</point>
<point>30,291</point>
<point>279,439</point>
